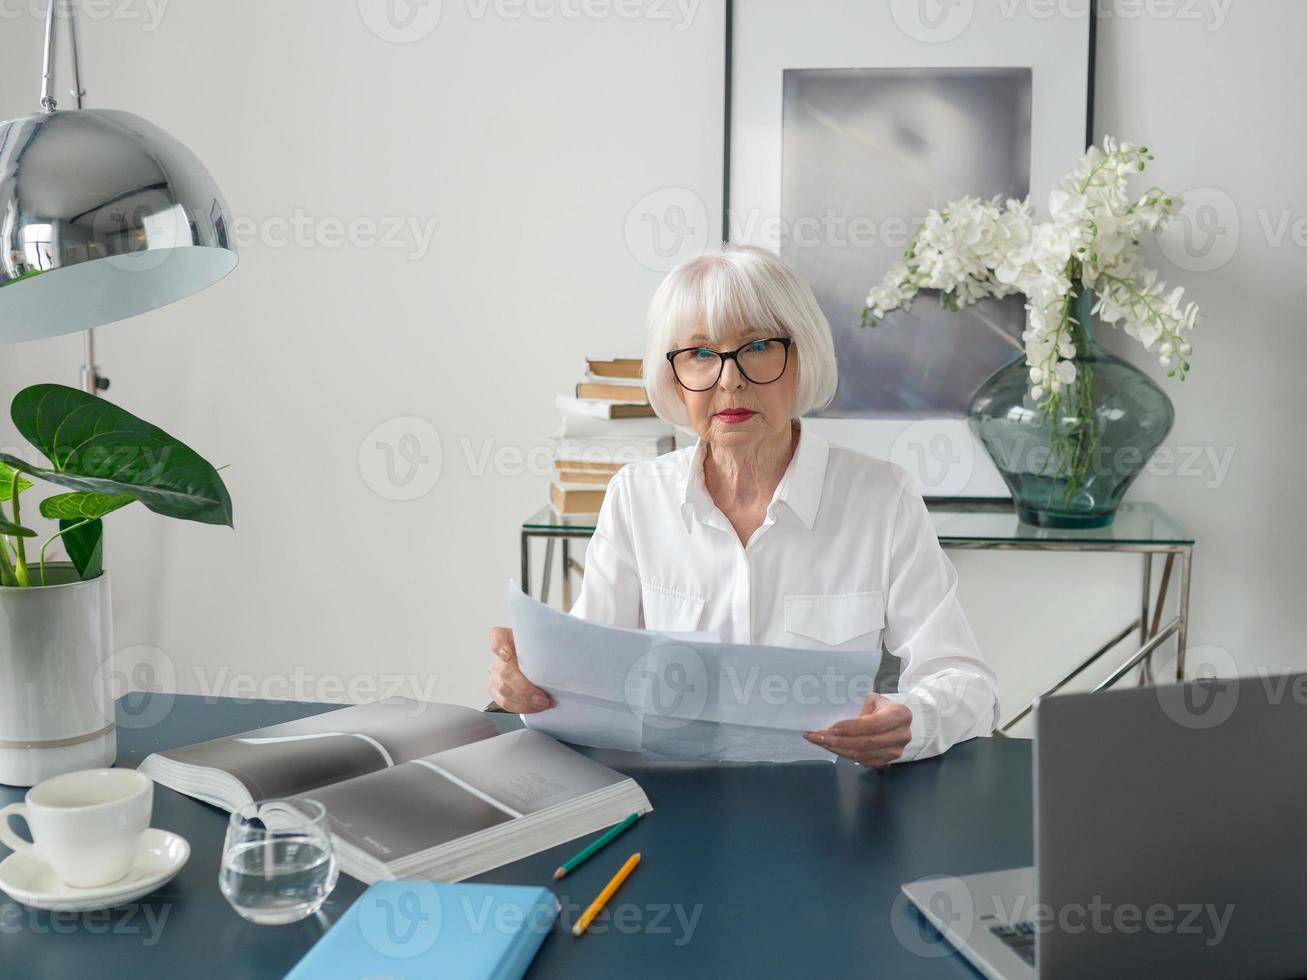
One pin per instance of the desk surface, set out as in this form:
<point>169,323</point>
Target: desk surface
<point>749,871</point>
<point>960,522</point>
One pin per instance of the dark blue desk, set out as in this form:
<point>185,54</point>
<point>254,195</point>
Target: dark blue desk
<point>748,871</point>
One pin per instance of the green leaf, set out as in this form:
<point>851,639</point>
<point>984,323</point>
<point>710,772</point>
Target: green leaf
<point>7,479</point>
<point>97,447</point>
<point>85,547</point>
<point>83,506</point>
<point>13,530</point>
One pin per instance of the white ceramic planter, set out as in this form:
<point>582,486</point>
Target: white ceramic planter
<point>56,704</point>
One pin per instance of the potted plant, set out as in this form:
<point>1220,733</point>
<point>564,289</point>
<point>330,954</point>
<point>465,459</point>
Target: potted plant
<point>1068,425</point>
<point>56,631</point>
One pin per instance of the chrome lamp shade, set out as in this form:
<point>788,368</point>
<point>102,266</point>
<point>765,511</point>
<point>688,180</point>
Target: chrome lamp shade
<point>103,215</point>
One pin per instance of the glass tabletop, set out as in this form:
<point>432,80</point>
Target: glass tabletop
<point>960,521</point>
<point>1143,523</point>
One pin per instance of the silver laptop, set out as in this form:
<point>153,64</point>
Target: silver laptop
<point>1170,841</point>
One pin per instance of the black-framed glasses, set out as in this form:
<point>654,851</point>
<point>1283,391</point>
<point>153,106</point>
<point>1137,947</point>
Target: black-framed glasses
<point>760,361</point>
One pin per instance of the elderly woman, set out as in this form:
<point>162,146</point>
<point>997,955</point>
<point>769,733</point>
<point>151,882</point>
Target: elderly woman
<point>762,531</point>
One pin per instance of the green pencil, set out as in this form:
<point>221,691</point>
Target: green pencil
<point>609,834</point>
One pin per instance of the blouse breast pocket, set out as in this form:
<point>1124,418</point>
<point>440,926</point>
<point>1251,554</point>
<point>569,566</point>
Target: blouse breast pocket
<point>853,620</point>
<point>669,610</point>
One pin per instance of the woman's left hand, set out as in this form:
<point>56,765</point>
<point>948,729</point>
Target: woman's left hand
<point>874,739</point>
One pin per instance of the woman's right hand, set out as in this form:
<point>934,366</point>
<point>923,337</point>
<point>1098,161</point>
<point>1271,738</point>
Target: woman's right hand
<point>507,684</point>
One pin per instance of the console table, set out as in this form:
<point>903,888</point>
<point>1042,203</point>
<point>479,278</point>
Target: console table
<point>1144,529</point>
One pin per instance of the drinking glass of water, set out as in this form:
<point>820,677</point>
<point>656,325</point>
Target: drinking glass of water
<point>278,865</point>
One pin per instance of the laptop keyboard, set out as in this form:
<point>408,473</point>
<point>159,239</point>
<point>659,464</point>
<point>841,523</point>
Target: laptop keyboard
<point>1020,938</point>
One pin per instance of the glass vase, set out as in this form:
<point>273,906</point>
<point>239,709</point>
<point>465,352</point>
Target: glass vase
<point>1069,464</point>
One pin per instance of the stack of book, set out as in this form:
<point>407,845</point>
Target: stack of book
<point>606,424</point>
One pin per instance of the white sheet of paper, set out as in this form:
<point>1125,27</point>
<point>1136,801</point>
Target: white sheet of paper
<point>683,696</point>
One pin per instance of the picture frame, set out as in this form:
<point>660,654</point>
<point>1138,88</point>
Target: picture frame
<point>828,106</point>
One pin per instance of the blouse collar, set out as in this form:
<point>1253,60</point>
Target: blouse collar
<point>800,488</point>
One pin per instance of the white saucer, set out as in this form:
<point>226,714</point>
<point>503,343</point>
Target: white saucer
<point>32,882</point>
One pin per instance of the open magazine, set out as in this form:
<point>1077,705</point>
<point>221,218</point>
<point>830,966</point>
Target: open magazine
<point>412,789</point>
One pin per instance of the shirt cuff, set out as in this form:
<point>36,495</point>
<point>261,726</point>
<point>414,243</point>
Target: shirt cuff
<point>925,722</point>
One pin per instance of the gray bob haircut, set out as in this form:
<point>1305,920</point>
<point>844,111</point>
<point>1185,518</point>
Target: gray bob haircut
<point>726,292</point>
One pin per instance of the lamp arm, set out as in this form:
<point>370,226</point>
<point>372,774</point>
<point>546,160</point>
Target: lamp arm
<point>48,101</point>
<point>74,49</point>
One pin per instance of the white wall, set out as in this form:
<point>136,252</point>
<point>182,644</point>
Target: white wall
<point>528,141</point>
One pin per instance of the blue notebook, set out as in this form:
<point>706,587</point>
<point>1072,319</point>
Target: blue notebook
<point>412,929</point>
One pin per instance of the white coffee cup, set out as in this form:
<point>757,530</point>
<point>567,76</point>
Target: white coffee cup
<point>87,825</point>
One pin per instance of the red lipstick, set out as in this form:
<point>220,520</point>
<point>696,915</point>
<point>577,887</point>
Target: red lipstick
<point>732,416</point>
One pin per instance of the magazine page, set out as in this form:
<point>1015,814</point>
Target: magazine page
<point>524,771</point>
<point>401,811</point>
<point>295,756</point>
<point>442,797</point>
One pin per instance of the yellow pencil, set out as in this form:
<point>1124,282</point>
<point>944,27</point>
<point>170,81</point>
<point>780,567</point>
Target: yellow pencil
<point>597,905</point>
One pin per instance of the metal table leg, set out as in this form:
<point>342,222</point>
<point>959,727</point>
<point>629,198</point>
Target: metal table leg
<point>1182,613</point>
<point>1146,667</point>
<point>567,576</point>
<point>549,567</point>
<point>525,582</point>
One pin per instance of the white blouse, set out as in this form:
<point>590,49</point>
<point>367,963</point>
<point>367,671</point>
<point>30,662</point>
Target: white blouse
<point>846,558</point>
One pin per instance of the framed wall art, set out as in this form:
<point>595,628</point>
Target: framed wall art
<point>845,123</point>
